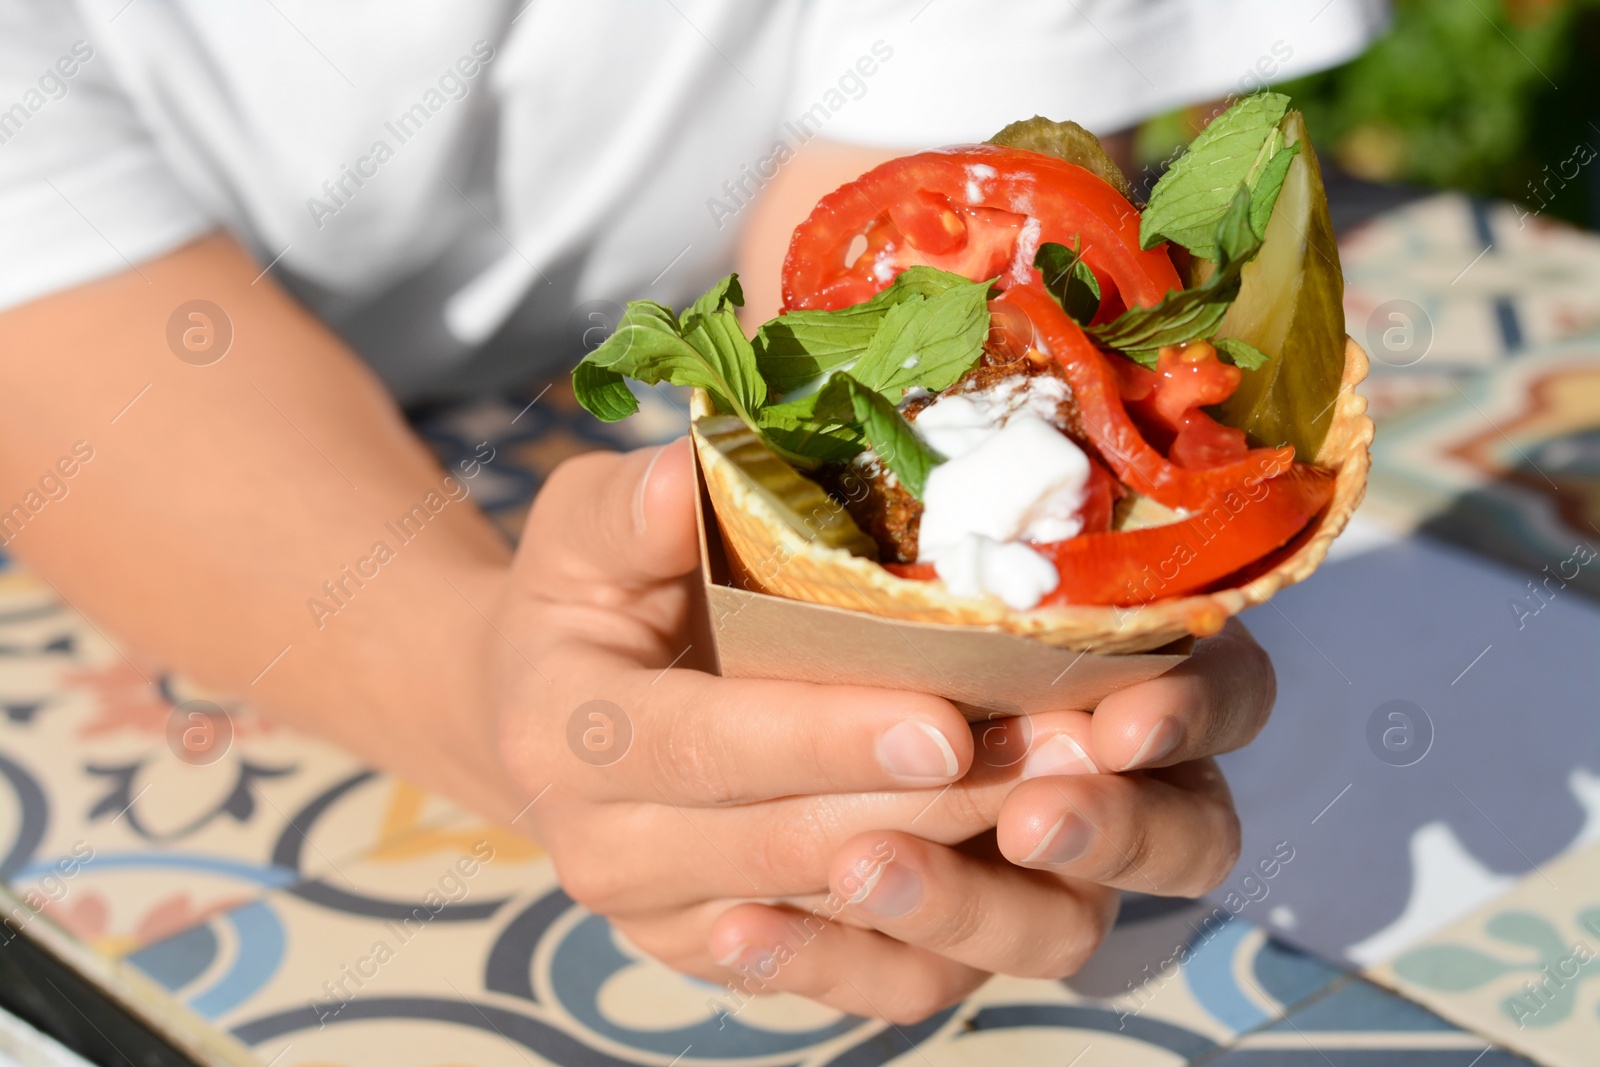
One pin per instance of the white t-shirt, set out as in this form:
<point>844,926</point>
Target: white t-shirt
<point>459,187</point>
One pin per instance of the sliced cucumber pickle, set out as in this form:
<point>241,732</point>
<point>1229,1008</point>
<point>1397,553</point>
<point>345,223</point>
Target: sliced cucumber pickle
<point>1291,306</point>
<point>1067,141</point>
<point>801,503</point>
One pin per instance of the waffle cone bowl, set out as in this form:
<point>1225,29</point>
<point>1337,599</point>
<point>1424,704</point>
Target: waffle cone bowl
<point>768,551</point>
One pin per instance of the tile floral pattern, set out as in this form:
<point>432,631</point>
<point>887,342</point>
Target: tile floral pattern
<point>1525,970</point>
<point>478,939</point>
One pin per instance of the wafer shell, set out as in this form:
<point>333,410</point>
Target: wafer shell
<point>768,553</point>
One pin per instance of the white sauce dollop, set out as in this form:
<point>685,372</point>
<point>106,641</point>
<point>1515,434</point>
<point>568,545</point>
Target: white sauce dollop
<point>1009,476</point>
<point>1015,573</point>
<point>977,174</point>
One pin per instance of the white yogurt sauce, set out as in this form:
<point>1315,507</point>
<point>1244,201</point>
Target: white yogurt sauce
<point>1027,247</point>
<point>1015,573</point>
<point>977,174</point>
<point>1010,476</point>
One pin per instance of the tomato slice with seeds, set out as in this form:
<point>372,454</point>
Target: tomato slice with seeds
<point>978,210</point>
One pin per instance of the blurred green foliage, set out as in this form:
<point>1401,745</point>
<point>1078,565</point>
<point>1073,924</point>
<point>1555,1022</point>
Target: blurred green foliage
<point>1500,97</point>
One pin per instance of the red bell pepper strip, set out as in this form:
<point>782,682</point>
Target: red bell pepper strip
<point>977,210</point>
<point>1111,430</point>
<point>1238,527</point>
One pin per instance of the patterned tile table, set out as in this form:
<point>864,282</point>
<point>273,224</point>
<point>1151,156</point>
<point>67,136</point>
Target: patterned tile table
<point>328,915</point>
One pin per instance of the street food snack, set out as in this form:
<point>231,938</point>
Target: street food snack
<point>1002,396</point>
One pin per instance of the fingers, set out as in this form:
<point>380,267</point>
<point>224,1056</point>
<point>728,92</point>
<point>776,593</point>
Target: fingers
<point>701,740</point>
<point>627,858</point>
<point>717,741</point>
<point>623,519</point>
<point>771,949</point>
<point>1215,702</point>
<point>991,916</point>
<point>1033,746</point>
<point>1170,833</point>
<point>784,847</point>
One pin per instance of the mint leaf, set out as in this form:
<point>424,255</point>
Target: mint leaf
<point>927,328</point>
<point>926,341</point>
<point>1192,197</point>
<point>795,349</point>
<point>1241,353</point>
<point>795,431</point>
<point>705,349</point>
<point>1069,279</point>
<point>884,428</point>
<point>725,292</point>
<point>1236,239</point>
<point>602,392</point>
<point>1189,314</point>
<point>1264,192</point>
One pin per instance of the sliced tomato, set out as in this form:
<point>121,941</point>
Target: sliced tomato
<point>1203,442</point>
<point>1236,528</point>
<point>1166,403</point>
<point>1189,376</point>
<point>1098,393</point>
<point>978,210</point>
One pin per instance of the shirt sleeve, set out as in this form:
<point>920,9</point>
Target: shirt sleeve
<point>83,191</point>
<point>913,73</point>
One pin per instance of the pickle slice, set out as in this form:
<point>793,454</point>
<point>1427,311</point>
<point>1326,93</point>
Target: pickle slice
<point>802,504</point>
<point>1291,306</point>
<point>1068,141</point>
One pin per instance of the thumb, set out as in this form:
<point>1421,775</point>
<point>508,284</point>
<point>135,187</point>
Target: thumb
<point>620,519</point>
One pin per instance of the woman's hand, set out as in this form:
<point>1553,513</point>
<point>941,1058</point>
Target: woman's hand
<point>864,847</point>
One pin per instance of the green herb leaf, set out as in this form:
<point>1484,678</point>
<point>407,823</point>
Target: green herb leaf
<point>1189,314</point>
<point>725,292</point>
<point>884,428</point>
<point>926,341</point>
<point>1291,306</point>
<point>603,392</point>
<point>1236,239</point>
<point>1241,353</point>
<point>795,430</point>
<point>1192,197</point>
<point>1069,280</point>
<point>797,348</point>
<point>1264,193</point>
<point>705,348</point>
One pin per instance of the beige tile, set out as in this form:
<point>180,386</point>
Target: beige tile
<point>1524,969</point>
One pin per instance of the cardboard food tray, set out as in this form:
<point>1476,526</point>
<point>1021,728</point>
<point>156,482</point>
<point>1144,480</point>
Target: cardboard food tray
<point>986,673</point>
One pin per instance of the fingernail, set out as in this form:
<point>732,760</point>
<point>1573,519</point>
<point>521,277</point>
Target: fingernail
<point>640,523</point>
<point>1064,842</point>
<point>751,961</point>
<point>1059,755</point>
<point>916,750</point>
<point>891,891</point>
<point>1161,742</point>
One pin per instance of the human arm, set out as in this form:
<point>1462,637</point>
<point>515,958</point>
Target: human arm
<point>221,497</point>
